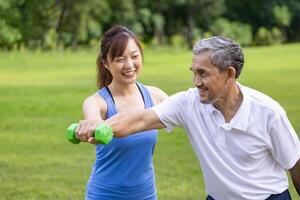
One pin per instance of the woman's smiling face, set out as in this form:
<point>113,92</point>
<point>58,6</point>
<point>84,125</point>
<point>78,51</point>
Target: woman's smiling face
<point>125,68</point>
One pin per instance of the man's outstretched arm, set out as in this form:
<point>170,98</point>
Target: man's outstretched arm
<point>124,124</point>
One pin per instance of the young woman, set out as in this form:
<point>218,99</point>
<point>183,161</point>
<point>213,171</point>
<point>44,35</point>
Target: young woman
<point>123,168</point>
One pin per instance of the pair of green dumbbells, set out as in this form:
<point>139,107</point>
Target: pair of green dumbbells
<point>103,134</point>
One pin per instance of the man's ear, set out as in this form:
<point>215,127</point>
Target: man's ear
<point>231,72</point>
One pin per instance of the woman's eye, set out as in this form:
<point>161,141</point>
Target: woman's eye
<point>119,60</point>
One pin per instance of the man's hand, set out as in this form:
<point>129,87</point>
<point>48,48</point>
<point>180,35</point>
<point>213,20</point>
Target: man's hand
<point>295,175</point>
<point>85,130</point>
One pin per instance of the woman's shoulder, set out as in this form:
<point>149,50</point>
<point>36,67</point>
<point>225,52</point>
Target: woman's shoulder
<point>95,99</point>
<point>93,106</point>
<point>157,94</point>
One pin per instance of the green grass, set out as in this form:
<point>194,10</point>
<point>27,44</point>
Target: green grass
<point>42,93</point>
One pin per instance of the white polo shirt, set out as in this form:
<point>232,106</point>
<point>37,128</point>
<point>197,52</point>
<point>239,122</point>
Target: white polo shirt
<point>243,159</point>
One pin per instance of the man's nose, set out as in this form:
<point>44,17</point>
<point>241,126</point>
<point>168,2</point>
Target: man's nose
<point>198,82</point>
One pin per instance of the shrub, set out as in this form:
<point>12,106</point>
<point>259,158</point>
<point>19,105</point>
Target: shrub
<point>178,40</point>
<point>277,35</point>
<point>263,37</point>
<point>240,32</point>
<point>8,34</point>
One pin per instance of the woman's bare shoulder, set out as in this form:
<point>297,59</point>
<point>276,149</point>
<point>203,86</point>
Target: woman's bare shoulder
<point>157,94</point>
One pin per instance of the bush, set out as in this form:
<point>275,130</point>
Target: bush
<point>196,35</point>
<point>8,34</point>
<point>277,35</point>
<point>178,40</point>
<point>50,39</point>
<point>263,37</point>
<point>266,37</point>
<point>241,33</point>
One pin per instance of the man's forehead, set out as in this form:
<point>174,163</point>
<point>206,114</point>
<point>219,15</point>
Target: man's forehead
<point>202,62</point>
<point>203,54</point>
<point>198,59</point>
<point>195,66</point>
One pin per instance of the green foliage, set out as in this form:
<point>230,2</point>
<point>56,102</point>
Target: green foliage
<point>239,32</point>
<point>263,37</point>
<point>8,35</point>
<point>50,39</point>
<point>208,34</point>
<point>277,35</point>
<point>81,22</point>
<point>267,37</point>
<point>158,22</point>
<point>42,93</point>
<point>282,15</point>
<point>35,24</point>
<point>196,32</point>
<point>178,41</point>
<point>137,28</point>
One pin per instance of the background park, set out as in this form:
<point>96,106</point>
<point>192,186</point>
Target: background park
<point>47,68</point>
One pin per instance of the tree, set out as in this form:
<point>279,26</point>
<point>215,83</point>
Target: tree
<point>9,30</point>
<point>282,17</point>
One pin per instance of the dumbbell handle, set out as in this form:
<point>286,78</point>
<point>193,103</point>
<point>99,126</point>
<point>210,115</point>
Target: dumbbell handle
<point>103,134</point>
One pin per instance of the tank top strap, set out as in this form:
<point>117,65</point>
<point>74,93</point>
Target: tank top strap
<point>111,109</point>
<point>146,95</point>
<point>106,95</point>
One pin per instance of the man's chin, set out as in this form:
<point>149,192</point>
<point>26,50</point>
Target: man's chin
<point>204,101</point>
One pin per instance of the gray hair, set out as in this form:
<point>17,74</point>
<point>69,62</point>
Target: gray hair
<point>224,53</point>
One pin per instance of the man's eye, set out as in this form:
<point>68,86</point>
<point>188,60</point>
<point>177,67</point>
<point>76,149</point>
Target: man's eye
<point>202,75</point>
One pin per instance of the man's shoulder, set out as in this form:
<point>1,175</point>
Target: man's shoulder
<point>263,100</point>
<point>182,100</point>
<point>188,95</point>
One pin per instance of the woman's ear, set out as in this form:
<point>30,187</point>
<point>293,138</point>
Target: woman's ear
<point>105,63</point>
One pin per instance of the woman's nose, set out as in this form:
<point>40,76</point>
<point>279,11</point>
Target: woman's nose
<point>129,63</point>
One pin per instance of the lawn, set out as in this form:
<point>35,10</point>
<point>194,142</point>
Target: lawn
<point>41,94</point>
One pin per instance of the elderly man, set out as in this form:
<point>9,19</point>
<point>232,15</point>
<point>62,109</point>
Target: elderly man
<point>242,138</point>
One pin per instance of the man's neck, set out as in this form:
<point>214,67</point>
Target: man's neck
<point>229,104</point>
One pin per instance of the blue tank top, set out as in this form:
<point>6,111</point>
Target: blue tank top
<point>123,169</point>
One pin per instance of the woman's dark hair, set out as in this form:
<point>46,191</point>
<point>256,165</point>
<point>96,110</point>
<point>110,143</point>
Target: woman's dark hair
<point>113,44</point>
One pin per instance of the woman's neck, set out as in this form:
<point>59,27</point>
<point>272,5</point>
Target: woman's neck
<point>121,89</point>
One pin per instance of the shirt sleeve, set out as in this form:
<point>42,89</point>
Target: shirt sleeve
<point>170,112</point>
<point>285,142</point>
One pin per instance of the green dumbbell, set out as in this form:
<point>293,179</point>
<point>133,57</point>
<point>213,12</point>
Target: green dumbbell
<point>103,134</point>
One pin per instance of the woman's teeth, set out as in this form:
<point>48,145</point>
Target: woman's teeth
<point>128,73</point>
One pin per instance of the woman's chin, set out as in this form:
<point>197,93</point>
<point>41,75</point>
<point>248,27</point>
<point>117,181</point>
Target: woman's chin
<point>130,80</point>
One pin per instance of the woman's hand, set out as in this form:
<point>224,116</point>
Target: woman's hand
<point>86,128</point>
